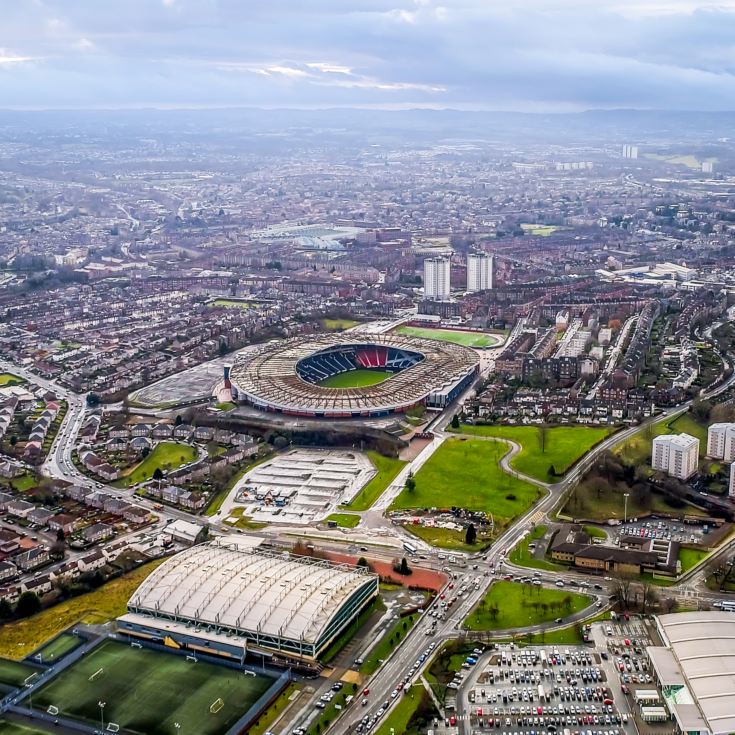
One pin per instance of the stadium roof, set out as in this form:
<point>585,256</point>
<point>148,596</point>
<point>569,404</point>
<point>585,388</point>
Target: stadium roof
<point>270,378</point>
<point>249,590</point>
<point>703,644</point>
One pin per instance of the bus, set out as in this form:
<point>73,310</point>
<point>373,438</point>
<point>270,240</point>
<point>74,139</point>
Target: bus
<point>410,548</point>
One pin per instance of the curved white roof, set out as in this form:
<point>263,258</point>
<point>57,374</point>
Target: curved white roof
<point>250,590</point>
<point>703,644</point>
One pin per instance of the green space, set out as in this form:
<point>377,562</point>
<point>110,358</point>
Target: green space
<point>399,719</point>
<point>376,606</point>
<point>226,406</point>
<point>218,498</point>
<point>231,304</point>
<point>14,673</point>
<point>20,638</point>
<point>387,469</point>
<point>267,718</point>
<point>540,230</point>
<point>543,447</point>
<point>522,555</point>
<point>21,483</point>
<point>359,378</point>
<point>691,557</point>
<point>329,714</point>
<point>570,636</point>
<point>688,160</point>
<point>338,325</point>
<point>148,691</point>
<point>15,728</point>
<point>594,532</point>
<point>10,379</point>
<point>344,520</point>
<point>513,605</point>
<point>238,519</point>
<point>59,647</point>
<point>457,336</point>
<point>466,472</point>
<point>636,450</point>
<point>447,538</point>
<point>392,637</point>
<point>165,456</point>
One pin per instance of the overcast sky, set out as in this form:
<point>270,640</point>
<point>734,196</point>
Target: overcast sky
<point>545,55</point>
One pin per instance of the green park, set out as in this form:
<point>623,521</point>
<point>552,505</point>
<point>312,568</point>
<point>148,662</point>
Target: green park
<point>164,456</point>
<point>543,448</point>
<point>386,470</point>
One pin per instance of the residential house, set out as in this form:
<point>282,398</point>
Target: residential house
<point>39,585</point>
<point>19,508</point>
<point>163,431</point>
<point>40,516</point>
<point>32,559</point>
<point>7,571</point>
<point>92,561</point>
<point>97,532</point>
<point>141,430</point>
<point>62,522</point>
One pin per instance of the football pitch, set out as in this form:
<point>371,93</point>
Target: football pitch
<point>458,337</point>
<point>152,692</point>
<point>355,379</point>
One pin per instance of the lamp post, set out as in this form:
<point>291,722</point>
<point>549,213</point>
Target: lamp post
<point>28,682</point>
<point>102,714</point>
<point>625,512</point>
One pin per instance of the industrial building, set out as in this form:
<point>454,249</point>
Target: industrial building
<point>230,597</point>
<point>695,669</point>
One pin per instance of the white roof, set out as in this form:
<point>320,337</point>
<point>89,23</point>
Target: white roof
<point>704,646</point>
<point>249,590</point>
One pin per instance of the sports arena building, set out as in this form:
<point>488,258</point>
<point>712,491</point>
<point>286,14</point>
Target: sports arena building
<point>286,377</point>
<point>228,597</point>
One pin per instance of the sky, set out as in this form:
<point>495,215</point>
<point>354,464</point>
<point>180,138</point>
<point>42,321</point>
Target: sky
<point>523,55</point>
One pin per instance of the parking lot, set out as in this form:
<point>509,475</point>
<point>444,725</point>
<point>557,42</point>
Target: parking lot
<point>539,691</point>
<point>666,530</point>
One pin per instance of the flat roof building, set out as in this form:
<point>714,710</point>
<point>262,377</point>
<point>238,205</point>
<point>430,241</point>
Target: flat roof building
<point>695,669</point>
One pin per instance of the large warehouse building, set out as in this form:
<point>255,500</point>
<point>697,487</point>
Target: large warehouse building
<point>695,669</point>
<point>227,597</point>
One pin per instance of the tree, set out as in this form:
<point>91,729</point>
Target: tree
<point>93,399</point>
<point>470,535</point>
<point>28,604</point>
<point>158,474</point>
<point>410,482</point>
<point>363,562</point>
<point>13,440</point>
<point>701,409</point>
<point>60,535</point>
<point>145,452</point>
<point>543,432</point>
<point>455,421</point>
<point>551,471</point>
<point>402,567</point>
<point>178,420</point>
<point>6,610</point>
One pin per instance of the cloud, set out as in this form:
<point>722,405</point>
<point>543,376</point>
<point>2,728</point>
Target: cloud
<point>484,54</point>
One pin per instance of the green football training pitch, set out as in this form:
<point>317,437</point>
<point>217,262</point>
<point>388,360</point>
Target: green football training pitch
<point>148,691</point>
<point>459,337</point>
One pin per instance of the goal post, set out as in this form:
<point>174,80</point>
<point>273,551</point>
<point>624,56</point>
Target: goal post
<point>216,706</point>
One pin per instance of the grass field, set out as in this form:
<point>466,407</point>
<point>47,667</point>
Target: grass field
<point>691,557</point>
<point>13,728</point>
<point>338,325</point>
<point>165,455</point>
<point>466,472</point>
<point>397,632</point>
<point>22,637</point>
<point>563,445</point>
<point>688,160</point>
<point>399,717</point>
<point>447,538</point>
<point>14,673</point>
<point>458,337</point>
<point>355,379</point>
<point>637,449</point>
<point>387,469</point>
<point>10,379</point>
<point>521,555</point>
<point>231,304</point>
<point>149,691</point>
<point>344,520</point>
<point>540,230</point>
<point>59,647</point>
<point>521,605</point>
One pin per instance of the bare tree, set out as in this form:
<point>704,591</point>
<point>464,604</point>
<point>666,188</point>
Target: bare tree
<point>543,432</point>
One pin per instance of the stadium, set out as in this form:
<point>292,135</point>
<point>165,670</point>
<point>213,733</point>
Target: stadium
<point>353,375</point>
<point>228,598</point>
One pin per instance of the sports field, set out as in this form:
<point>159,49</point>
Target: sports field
<point>14,673</point>
<point>9,379</point>
<point>540,230</point>
<point>458,337</point>
<point>355,379</point>
<point>59,647</point>
<point>466,472</point>
<point>165,455</point>
<point>557,446</point>
<point>149,692</point>
<point>14,728</point>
